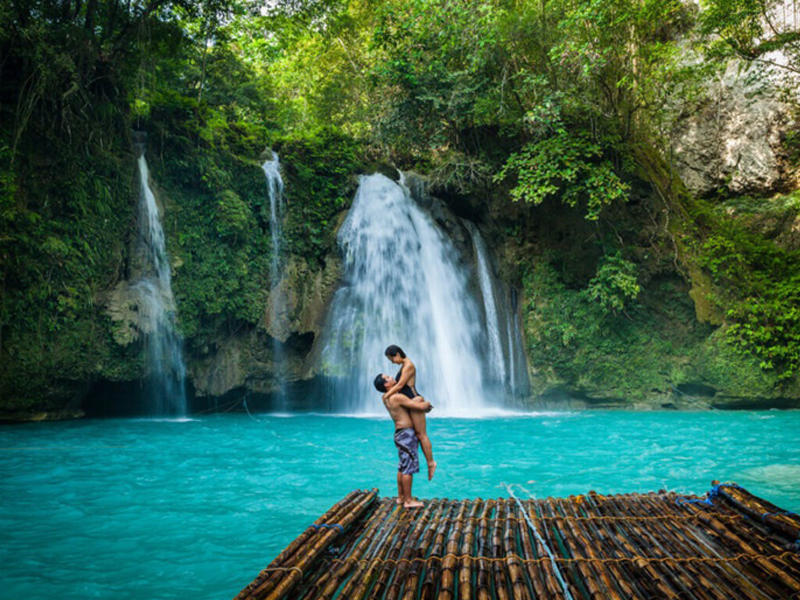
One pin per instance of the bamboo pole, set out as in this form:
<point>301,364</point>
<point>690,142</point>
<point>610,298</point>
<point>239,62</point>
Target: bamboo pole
<point>447,583</point>
<point>483,585</point>
<point>554,589</point>
<point>433,565</point>
<point>500,580</point>
<point>383,551</point>
<point>698,574</point>
<point>358,585</point>
<point>631,579</point>
<point>553,535</point>
<point>670,584</point>
<point>377,520</point>
<point>737,545</point>
<point>420,554</point>
<point>290,549</point>
<point>688,539</point>
<point>761,510</point>
<point>317,547</point>
<point>519,582</point>
<point>535,574</point>
<point>693,573</point>
<point>699,532</point>
<point>325,569</point>
<point>411,518</point>
<point>610,577</point>
<point>270,572</point>
<point>465,565</point>
<point>413,545</point>
<point>502,554</point>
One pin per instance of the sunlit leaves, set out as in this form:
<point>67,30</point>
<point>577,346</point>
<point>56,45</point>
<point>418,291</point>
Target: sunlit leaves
<point>567,165</point>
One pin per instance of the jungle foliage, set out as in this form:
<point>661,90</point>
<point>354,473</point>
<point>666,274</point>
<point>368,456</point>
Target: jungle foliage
<point>543,100</point>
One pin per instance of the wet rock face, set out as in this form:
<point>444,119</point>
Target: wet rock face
<point>294,316</point>
<point>736,139</point>
<point>300,301</point>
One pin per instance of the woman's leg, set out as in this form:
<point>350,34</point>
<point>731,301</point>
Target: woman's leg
<point>420,428</point>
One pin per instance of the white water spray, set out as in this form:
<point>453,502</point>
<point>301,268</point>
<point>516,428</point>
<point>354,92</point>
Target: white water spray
<point>404,284</point>
<point>166,382</point>
<point>272,171</point>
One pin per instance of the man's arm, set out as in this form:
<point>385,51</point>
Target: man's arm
<point>412,403</point>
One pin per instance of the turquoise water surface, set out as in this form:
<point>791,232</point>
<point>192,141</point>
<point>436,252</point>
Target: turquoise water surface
<point>176,509</point>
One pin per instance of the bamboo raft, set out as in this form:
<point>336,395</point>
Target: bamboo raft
<point>727,545</point>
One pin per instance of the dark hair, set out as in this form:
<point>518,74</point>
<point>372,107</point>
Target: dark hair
<point>379,383</point>
<point>394,350</point>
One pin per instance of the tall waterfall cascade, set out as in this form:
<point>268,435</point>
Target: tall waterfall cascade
<point>404,284</point>
<point>272,171</point>
<point>507,365</point>
<point>166,381</point>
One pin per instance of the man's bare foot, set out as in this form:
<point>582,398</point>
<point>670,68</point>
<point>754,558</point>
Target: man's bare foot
<point>431,469</point>
<point>413,504</point>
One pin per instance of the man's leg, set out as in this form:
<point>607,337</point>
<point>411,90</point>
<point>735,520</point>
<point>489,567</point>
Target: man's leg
<point>400,491</point>
<point>408,480</point>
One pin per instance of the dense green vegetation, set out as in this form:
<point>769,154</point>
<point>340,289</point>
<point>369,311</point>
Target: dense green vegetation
<point>549,103</point>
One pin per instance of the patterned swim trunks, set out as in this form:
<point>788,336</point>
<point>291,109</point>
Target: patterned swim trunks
<point>407,448</point>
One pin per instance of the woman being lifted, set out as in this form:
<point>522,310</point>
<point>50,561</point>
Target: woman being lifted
<point>406,384</point>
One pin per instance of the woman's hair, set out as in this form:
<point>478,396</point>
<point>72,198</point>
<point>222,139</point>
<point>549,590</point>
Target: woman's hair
<point>379,383</point>
<point>393,350</point>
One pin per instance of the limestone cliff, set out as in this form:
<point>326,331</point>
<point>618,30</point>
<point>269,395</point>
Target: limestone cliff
<point>736,138</point>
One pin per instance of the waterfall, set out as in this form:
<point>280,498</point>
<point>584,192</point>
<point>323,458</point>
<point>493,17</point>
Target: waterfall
<point>519,384</point>
<point>272,171</point>
<point>166,389</point>
<point>505,357</point>
<point>497,361</point>
<point>404,284</point>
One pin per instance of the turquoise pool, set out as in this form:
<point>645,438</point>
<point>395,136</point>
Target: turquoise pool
<point>143,509</point>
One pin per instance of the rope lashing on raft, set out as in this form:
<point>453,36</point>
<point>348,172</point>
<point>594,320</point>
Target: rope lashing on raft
<point>714,492</point>
<point>713,560</point>
<point>550,555</point>
<point>327,526</point>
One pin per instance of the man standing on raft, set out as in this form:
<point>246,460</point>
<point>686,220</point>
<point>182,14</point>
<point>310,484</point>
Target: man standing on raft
<point>405,438</point>
<point>405,382</point>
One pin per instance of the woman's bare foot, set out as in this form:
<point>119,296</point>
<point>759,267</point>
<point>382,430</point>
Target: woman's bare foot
<point>413,504</point>
<point>431,469</point>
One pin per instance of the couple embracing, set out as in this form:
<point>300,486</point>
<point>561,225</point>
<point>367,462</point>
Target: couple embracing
<point>407,409</point>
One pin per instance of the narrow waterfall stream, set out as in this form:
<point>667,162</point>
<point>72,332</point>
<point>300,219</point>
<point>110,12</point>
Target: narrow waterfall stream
<point>507,365</point>
<point>272,171</point>
<point>404,284</point>
<point>496,359</point>
<point>165,384</point>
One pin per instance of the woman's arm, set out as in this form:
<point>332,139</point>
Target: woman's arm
<point>408,370</point>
